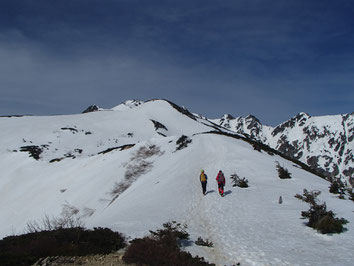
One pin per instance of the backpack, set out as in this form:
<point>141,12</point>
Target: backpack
<point>221,178</point>
<point>203,177</point>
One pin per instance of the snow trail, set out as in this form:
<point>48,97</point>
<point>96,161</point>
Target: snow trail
<point>248,225</point>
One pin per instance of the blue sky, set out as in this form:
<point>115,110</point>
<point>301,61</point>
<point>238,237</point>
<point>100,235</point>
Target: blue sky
<point>272,59</point>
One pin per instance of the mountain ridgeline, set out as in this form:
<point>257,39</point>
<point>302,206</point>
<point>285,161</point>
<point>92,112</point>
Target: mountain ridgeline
<point>324,143</point>
<point>136,166</point>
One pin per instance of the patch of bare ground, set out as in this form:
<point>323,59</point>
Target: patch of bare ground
<point>110,259</point>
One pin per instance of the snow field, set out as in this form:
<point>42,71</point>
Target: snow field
<point>247,225</point>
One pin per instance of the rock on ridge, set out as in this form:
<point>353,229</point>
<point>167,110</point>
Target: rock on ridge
<point>91,108</point>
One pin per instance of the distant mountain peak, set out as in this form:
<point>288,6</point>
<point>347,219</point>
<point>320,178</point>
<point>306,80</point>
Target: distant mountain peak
<point>302,117</point>
<point>253,119</point>
<point>228,117</point>
<point>91,108</point>
<point>323,143</point>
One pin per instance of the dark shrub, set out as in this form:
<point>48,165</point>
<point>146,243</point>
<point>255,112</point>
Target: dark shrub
<point>283,172</point>
<point>162,248</point>
<point>337,187</point>
<point>28,248</point>
<point>202,242</point>
<point>328,224</point>
<point>319,218</point>
<point>238,182</point>
<point>351,194</point>
<point>174,229</point>
<point>145,152</point>
<point>256,146</point>
<point>334,188</point>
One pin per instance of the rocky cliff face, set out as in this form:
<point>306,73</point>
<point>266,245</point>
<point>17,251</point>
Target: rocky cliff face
<point>324,143</point>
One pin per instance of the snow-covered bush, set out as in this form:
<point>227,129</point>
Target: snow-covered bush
<point>238,182</point>
<point>283,172</point>
<point>119,188</point>
<point>138,169</point>
<point>145,152</point>
<point>319,218</point>
<point>138,166</point>
<point>69,218</point>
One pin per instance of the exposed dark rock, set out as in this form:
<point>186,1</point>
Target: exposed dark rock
<point>78,151</point>
<point>349,172</point>
<point>335,171</point>
<point>161,134</point>
<point>332,146</point>
<point>182,110</point>
<point>9,116</point>
<point>56,160</point>
<point>254,121</point>
<point>92,108</point>
<point>301,118</point>
<point>288,149</point>
<point>120,148</point>
<point>183,142</point>
<point>34,150</point>
<point>73,130</point>
<point>225,120</point>
<point>229,117</point>
<point>69,155</point>
<point>313,161</point>
<point>158,125</point>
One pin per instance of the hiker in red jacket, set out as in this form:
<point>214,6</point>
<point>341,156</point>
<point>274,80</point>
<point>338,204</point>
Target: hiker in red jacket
<point>220,178</point>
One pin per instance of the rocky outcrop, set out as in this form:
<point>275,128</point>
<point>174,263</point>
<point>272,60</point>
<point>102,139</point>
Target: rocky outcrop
<point>92,108</point>
<point>323,143</point>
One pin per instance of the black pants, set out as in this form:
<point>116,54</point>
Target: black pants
<point>204,185</point>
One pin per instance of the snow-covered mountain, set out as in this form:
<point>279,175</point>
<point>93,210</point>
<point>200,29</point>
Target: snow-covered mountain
<point>137,165</point>
<point>325,143</point>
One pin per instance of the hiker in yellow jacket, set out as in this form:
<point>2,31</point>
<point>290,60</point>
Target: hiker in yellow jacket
<point>203,180</point>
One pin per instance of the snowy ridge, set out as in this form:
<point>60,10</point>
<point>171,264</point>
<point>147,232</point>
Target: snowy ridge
<point>129,104</point>
<point>128,174</point>
<point>324,143</point>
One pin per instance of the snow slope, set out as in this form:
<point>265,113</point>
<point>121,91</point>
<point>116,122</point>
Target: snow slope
<point>247,225</point>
